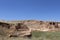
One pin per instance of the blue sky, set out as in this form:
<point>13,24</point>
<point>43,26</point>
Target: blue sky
<point>30,9</point>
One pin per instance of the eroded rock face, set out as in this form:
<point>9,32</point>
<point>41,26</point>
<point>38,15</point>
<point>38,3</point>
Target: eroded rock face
<point>14,30</point>
<point>24,28</point>
<point>43,25</point>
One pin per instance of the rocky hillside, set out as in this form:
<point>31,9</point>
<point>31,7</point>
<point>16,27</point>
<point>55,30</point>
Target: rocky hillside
<point>25,27</point>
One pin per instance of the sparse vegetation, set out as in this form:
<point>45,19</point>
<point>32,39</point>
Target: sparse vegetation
<point>36,35</point>
<point>46,35</point>
<point>52,34</point>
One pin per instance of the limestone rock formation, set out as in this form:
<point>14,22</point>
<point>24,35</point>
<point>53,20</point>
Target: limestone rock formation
<point>13,30</point>
<point>25,27</point>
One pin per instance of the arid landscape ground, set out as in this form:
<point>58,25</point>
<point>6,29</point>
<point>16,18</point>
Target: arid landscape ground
<point>29,30</point>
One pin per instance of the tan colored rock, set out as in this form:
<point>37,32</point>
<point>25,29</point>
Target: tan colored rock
<point>24,28</point>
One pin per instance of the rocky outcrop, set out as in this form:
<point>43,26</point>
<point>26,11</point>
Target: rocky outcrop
<point>24,28</point>
<point>12,30</point>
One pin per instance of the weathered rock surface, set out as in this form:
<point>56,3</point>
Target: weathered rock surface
<point>24,28</point>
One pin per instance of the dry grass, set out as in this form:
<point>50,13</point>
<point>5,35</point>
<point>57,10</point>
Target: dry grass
<point>37,36</point>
